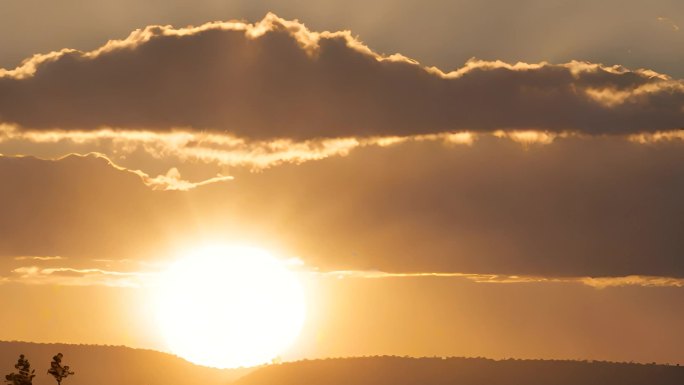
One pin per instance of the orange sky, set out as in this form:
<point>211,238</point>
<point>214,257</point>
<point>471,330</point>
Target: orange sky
<point>402,316</point>
<point>492,208</point>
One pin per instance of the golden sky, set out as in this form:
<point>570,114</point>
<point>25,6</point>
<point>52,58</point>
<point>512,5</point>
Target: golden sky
<point>523,204</point>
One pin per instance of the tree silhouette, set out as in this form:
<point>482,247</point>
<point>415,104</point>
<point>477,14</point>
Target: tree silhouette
<point>58,371</point>
<point>25,375</point>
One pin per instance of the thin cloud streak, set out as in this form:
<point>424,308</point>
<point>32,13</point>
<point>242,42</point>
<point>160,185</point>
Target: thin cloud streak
<point>670,22</point>
<point>185,145</point>
<point>218,149</point>
<point>171,181</point>
<point>667,136</point>
<point>39,258</point>
<point>596,282</point>
<point>68,276</point>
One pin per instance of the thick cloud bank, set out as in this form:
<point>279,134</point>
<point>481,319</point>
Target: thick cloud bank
<point>276,79</point>
<point>580,207</point>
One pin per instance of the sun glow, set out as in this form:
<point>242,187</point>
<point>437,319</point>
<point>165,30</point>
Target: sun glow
<point>227,307</point>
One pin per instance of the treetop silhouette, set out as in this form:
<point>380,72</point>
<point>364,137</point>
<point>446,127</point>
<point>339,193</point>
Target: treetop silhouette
<point>25,375</point>
<point>58,371</point>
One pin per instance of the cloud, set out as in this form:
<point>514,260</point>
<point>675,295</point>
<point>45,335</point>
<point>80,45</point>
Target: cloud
<point>632,280</point>
<point>38,258</point>
<point>172,181</point>
<point>51,270</point>
<point>79,207</point>
<point>185,145</point>
<point>66,276</point>
<point>580,207</point>
<point>657,137</point>
<point>670,22</point>
<point>177,148</point>
<point>596,282</point>
<point>600,207</point>
<point>70,276</point>
<point>80,271</point>
<point>277,79</point>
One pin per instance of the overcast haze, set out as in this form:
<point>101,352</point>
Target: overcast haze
<point>509,185</point>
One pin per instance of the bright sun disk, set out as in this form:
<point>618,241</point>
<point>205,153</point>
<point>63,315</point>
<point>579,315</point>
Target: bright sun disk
<point>226,307</point>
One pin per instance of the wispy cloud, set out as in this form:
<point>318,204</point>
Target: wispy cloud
<point>67,276</point>
<point>39,258</point>
<point>596,282</point>
<point>218,149</point>
<point>172,181</point>
<point>183,145</point>
<point>667,136</point>
<point>669,22</point>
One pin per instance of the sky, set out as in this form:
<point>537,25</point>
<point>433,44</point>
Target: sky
<point>450,178</point>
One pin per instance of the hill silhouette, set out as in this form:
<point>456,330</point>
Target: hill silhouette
<point>116,365</point>
<point>461,371</point>
<point>113,365</point>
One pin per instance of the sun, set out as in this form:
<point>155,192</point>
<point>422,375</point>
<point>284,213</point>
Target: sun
<point>226,307</point>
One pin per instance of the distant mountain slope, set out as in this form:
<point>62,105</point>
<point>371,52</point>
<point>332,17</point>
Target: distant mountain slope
<point>461,371</point>
<point>112,365</point>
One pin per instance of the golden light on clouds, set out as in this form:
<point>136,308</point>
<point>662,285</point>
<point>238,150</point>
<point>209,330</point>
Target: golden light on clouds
<point>182,146</point>
<point>528,136</point>
<point>297,84</point>
<point>666,136</point>
<point>418,209</point>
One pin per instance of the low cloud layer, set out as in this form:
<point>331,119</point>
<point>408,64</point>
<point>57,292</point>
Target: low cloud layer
<point>276,79</point>
<point>578,208</point>
<point>79,207</point>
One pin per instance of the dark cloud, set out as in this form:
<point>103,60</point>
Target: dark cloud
<point>437,32</point>
<point>576,207</point>
<point>79,207</point>
<point>599,207</point>
<point>277,79</point>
